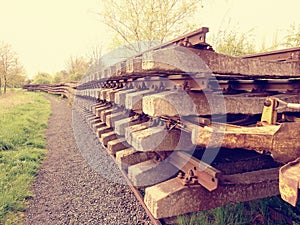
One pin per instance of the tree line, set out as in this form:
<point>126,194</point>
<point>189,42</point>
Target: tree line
<point>76,67</point>
<point>13,74</point>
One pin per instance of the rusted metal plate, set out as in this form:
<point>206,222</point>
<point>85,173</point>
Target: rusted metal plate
<point>289,181</point>
<point>196,171</point>
<point>269,114</point>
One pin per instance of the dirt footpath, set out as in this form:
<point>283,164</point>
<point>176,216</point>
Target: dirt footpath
<point>67,190</point>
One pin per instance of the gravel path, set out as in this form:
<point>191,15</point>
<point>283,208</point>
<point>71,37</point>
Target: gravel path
<point>71,187</point>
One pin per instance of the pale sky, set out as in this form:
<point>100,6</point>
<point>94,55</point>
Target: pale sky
<point>45,33</point>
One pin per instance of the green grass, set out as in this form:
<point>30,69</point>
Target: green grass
<point>23,120</point>
<point>255,212</point>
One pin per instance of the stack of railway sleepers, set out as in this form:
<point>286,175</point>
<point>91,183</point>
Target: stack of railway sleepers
<point>194,128</point>
<point>66,90</point>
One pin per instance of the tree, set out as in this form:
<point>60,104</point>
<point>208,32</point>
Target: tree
<point>17,77</point>
<point>96,59</point>
<point>95,55</point>
<point>229,41</point>
<point>10,68</point>
<point>58,78</point>
<point>76,68</point>
<point>154,21</point>
<point>293,36</point>
<point>275,44</point>
<point>42,78</point>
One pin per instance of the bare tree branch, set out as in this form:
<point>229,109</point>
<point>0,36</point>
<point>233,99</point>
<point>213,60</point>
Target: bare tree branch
<point>136,21</point>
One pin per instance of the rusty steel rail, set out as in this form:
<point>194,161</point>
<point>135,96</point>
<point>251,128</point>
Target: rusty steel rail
<point>196,38</point>
<point>290,54</point>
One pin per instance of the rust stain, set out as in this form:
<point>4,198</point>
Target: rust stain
<point>289,179</point>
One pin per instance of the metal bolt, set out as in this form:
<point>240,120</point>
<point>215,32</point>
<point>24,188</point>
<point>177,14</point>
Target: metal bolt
<point>180,175</point>
<point>268,103</point>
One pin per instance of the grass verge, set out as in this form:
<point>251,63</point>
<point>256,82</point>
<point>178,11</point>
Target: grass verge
<point>267,211</point>
<point>23,120</point>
